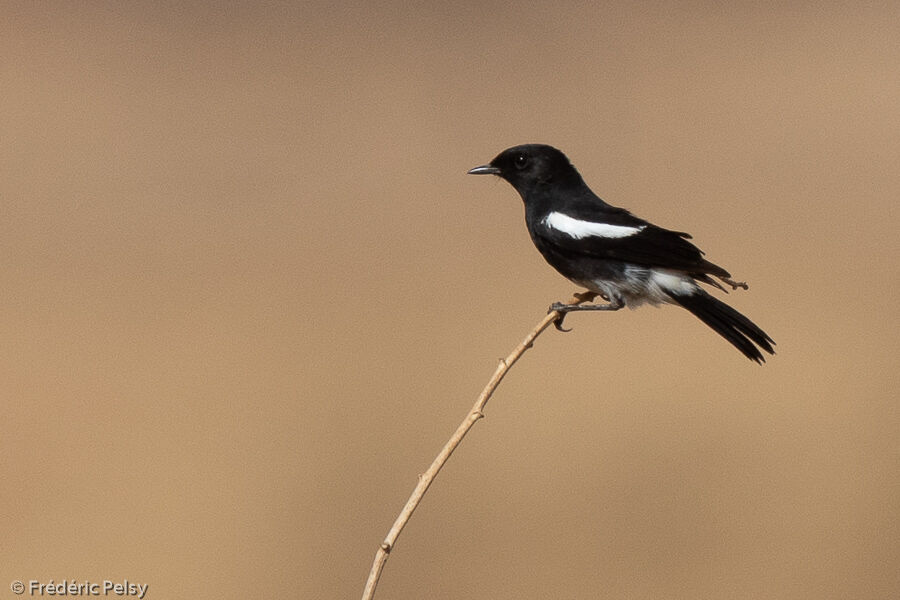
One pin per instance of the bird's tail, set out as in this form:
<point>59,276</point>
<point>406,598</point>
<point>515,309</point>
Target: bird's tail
<point>729,323</point>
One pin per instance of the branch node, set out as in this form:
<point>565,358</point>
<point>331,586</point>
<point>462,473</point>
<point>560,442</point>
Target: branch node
<point>386,547</point>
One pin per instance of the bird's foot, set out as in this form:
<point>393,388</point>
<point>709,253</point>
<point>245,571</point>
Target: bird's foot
<point>564,309</point>
<point>735,284</point>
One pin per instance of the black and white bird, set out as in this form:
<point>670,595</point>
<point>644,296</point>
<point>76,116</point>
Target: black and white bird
<point>609,251</point>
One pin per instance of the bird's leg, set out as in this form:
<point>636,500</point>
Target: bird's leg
<point>567,308</point>
<point>564,309</point>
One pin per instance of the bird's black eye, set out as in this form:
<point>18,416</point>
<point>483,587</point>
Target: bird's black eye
<point>521,161</point>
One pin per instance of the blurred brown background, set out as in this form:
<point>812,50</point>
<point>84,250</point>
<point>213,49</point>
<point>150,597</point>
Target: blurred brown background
<point>249,291</point>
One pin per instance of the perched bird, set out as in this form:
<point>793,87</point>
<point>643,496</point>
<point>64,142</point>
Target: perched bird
<point>609,251</point>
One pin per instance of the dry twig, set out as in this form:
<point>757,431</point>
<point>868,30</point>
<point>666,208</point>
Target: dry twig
<point>474,415</point>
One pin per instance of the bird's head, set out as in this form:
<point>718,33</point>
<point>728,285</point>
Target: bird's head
<point>530,166</point>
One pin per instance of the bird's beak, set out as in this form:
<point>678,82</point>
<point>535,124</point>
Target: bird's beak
<point>484,170</point>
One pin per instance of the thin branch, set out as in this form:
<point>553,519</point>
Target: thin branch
<point>474,415</point>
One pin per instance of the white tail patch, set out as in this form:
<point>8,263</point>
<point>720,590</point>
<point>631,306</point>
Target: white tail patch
<point>578,229</point>
<point>673,281</point>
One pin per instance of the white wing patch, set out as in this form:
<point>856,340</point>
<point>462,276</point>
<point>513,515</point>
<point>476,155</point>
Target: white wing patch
<point>576,228</point>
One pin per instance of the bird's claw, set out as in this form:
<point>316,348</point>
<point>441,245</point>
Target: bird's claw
<point>558,324</point>
<point>562,309</point>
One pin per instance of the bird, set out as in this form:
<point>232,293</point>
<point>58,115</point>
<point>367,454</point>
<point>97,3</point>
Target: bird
<point>624,259</point>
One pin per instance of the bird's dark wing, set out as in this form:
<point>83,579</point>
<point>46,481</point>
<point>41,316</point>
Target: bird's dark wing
<point>615,234</point>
